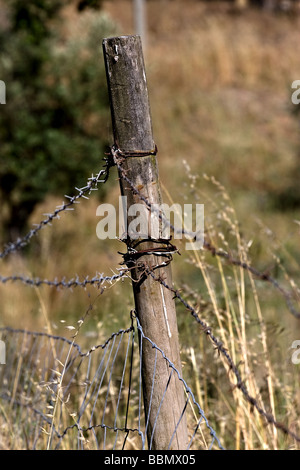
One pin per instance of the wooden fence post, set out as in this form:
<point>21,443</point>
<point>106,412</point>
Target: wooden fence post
<point>154,304</point>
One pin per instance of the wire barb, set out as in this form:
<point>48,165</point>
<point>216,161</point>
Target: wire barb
<point>92,184</point>
<point>240,384</point>
<point>96,281</point>
<point>207,245</point>
<point>94,383</point>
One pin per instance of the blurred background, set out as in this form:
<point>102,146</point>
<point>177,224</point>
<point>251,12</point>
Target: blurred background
<point>219,77</point>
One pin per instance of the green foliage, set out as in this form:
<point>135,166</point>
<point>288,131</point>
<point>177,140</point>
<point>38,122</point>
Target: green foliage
<point>51,128</point>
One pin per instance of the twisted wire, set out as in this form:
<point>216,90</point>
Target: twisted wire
<point>207,245</point>
<point>96,281</point>
<point>25,394</point>
<point>91,185</point>
<point>240,384</point>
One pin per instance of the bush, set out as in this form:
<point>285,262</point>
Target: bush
<point>51,127</point>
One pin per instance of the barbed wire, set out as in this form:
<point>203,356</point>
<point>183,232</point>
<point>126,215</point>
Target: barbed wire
<point>207,245</point>
<point>91,185</point>
<point>187,388</point>
<point>263,276</point>
<point>99,279</point>
<point>96,281</point>
<point>115,158</point>
<point>240,384</point>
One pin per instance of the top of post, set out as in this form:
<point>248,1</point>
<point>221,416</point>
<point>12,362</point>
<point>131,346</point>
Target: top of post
<point>128,93</point>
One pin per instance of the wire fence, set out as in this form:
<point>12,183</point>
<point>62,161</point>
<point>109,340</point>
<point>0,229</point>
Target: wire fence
<point>60,397</point>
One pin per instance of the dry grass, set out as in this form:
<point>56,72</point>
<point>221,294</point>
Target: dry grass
<point>247,316</point>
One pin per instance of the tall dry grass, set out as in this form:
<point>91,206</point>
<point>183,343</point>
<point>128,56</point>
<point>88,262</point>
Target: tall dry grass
<point>251,319</point>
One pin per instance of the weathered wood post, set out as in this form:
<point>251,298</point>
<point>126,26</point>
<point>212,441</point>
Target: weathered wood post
<point>154,304</point>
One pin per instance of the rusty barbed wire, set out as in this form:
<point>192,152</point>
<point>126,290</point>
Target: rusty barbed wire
<point>240,384</point>
<point>96,281</point>
<point>99,279</point>
<point>263,276</point>
<point>91,185</point>
<point>207,245</point>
